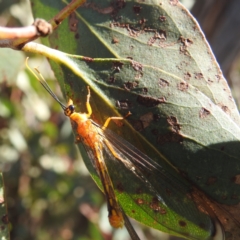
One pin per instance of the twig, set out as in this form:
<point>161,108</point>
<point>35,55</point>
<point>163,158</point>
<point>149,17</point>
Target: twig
<point>16,38</point>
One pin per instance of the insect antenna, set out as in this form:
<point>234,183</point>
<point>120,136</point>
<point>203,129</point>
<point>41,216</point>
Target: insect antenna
<point>41,79</point>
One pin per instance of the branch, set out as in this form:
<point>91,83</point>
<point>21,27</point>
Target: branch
<point>16,38</point>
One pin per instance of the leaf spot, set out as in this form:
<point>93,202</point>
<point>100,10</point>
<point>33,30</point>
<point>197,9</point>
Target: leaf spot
<point>182,223</point>
<point>198,75</point>
<point>172,121</point>
<point>162,18</point>
<point>142,21</point>
<point>225,109</point>
<point>117,66</point>
<point>88,59</point>
<point>146,119</point>
<point>183,86</point>
<point>145,90</point>
<point>169,137</point>
<point>161,36</point>
<point>130,85</point>
<point>203,113</point>
<point>124,104</point>
<point>115,40</point>
<point>111,79</point>
<point>73,22</point>
<point>137,9</point>
<point>154,205</point>
<point>149,101</point>
<point>140,201</point>
<point>187,76</point>
<point>163,83</point>
<point>137,66</point>
<point>185,43</point>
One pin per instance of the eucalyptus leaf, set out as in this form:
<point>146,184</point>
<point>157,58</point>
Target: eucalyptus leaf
<point>152,59</point>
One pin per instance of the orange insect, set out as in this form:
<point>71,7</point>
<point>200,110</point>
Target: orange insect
<point>88,133</point>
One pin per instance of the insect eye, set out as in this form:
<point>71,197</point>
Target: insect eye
<point>71,108</point>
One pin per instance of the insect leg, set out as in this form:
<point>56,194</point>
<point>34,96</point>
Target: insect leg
<point>88,106</point>
<point>115,214</point>
<point>105,125</point>
<point>109,119</point>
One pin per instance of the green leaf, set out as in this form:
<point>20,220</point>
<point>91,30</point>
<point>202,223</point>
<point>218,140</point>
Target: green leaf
<point>153,60</point>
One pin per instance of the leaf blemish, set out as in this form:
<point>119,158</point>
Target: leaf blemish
<point>203,113</point>
<point>88,59</point>
<point>115,40</point>
<point>142,21</point>
<point>163,83</point>
<point>123,104</point>
<point>186,42</point>
<point>169,138</point>
<point>154,205</point>
<point>209,81</point>
<point>173,122</point>
<point>73,22</point>
<point>146,119</point>
<point>183,86</point>
<point>150,101</point>
<point>160,35</point>
<point>117,66</point>
<point>137,66</point>
<point>182,223</point>
<point>187,76</point>
<point>145,90</point>
<point>111,79</point>
<point>198,75</point>
<point>225,109</point>
<point>162,18</point>
<point>130,85</point>
<point>137,9</point>
<point>139,201</point>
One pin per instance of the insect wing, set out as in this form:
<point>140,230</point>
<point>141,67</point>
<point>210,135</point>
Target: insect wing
<point>147,192</point>
<point>152,195</point>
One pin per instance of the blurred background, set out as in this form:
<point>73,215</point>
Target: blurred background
<point>49,192</point>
